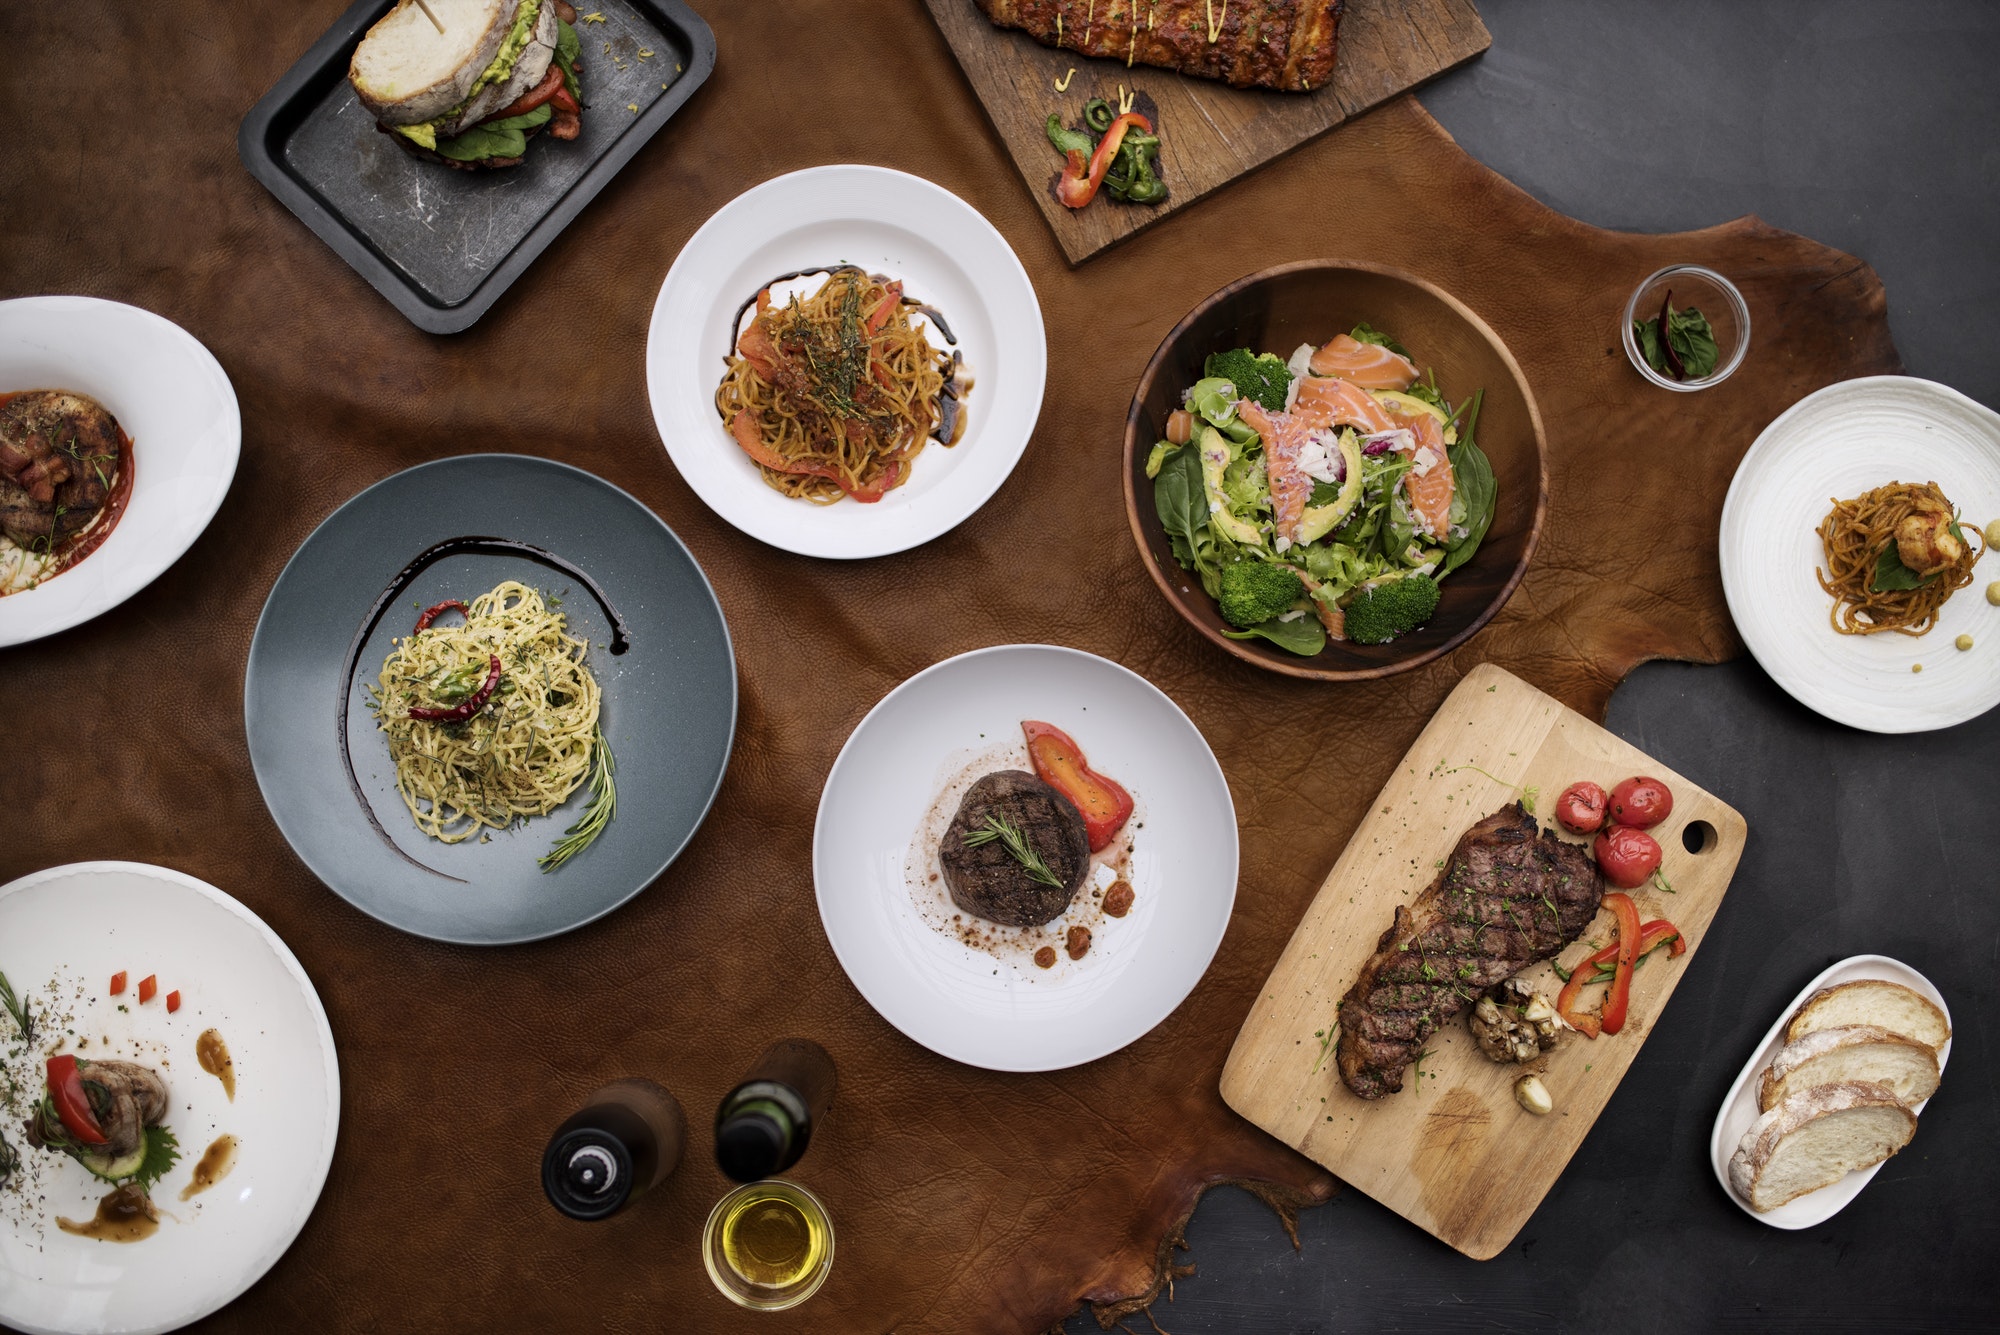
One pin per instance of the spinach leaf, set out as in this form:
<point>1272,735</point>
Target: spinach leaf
<point>1182,503</point>
<point>1892,576</point>
<point>483,141</point>
<point>1324,493</point>
<point>526,120</point>
<point>1303,636</point>
<point>568,47</point>
<point>1473,473</point>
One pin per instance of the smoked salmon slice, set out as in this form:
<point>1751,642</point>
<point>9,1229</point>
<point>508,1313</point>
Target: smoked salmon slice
<point>1289,485</point>
<point>1325,401</point>
<point>1429,484</point>
<point>1369,365</point>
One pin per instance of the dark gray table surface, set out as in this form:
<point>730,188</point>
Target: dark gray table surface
<point>1874,127</point>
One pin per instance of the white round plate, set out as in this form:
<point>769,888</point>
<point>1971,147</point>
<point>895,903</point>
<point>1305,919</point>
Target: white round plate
<point>947,255</point>
<point>76,926</point>
<point>171,397</point>
<point>958,1000</point>
<point>1739,1107</point>
<point>1839,442</point>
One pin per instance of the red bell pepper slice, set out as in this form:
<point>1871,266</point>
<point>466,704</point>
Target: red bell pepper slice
<point>173,1001</point>
<point>71,1103</point>
<point>1059,761</point>
<point>1078,185</point>
<point>431,614</point>
<point>744,429</point>
<point>117,982</point>
<point>1651,936</point>
<point>147,987</point>
<point>1619,999</point>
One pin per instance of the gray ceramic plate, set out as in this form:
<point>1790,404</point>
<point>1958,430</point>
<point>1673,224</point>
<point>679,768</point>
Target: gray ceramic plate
<point>669,708</point>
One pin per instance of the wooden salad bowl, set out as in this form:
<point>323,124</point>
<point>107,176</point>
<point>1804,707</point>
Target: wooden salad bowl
<point>1309,302</point>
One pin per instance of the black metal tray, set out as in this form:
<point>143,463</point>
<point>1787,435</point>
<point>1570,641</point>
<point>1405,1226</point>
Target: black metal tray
<point>442,245</point>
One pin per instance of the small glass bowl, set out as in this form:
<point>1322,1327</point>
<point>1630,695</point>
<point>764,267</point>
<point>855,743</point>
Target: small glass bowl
<point>1710,293</point>
<point>758,1297</point>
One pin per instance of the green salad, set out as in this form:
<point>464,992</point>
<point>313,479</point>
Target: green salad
<point>1324,495</point>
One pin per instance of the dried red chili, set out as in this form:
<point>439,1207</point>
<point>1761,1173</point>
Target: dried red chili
<point>460,713</point>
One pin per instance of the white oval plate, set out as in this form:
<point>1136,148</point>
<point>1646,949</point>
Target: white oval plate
<point>947,255</point>
<point>1739,1107</point>
<point>80,924</point>
<point>171,397</point>
<point>1839,442</point>
<point>956,1000</point>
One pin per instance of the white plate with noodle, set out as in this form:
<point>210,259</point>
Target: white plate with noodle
<point>1839,443</point>
<point>947,257</point>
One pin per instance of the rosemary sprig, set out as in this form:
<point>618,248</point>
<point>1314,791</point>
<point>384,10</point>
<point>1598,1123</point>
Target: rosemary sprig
<point>997,827</point>
<point>597,814</point>
<point>18,1010</point>
<point>1326,1039</point>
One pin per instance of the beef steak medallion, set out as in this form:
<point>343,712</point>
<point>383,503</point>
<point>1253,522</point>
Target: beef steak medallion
<point>1511,894</point>
<point>986,879</point>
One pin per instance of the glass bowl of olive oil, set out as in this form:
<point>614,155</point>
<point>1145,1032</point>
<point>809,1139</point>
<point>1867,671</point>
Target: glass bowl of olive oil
<point>768,1245</point>
<point>1686,328</point>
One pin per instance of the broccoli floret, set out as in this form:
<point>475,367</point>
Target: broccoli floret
<point>1257,376</point>
<point>1382,613</point>
<point>1253,592</point>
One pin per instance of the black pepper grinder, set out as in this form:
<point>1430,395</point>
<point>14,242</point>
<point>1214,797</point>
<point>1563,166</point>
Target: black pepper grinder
<point>766,1122</point>
<point>627,1138</point>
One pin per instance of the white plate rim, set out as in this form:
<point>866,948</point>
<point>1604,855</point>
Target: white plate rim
<point>1816,1207</point>
<point>282,1239</point>
<point>1769,652</point>
<point>736,224</point>
<point>873,997</point>
<point>38,620</point>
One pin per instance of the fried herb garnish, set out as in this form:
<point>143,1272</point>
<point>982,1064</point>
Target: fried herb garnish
<point>1016,843</point>
<point>835,358</point>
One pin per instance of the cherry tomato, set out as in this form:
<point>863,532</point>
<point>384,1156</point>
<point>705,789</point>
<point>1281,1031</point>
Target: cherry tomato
<point>1581,807</point>
<point>1641,803</point>
<point>1626,856</point>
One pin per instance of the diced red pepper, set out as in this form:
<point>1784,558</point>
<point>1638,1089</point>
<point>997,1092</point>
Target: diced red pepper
<point>1105,805</point>
<point>1079,185</point>
<point>173,1001</point>
<point>71,1103</point>
<point>117,982</point>
<point>147,987</point>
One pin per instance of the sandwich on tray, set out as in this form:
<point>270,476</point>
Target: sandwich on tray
<point>469,82</point>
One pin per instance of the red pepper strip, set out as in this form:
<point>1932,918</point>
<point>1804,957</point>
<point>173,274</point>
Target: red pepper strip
<point>743,427</point>
<point>551,84</point>
<point>881,314</point>
<point>1077,188</point>
<point>1650,937</point>
<point>1616,1001</point>
<point>460,713</point>
<point>1059,761</point>
<point>72,1104</point>
<point>433,613</point>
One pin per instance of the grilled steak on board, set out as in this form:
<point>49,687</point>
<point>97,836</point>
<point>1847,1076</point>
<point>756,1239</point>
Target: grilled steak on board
<point>1288,45</point>
<point>1511,894</point>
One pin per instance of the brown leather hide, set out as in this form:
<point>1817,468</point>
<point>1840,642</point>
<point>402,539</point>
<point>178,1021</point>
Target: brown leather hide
<point>965,1200</point>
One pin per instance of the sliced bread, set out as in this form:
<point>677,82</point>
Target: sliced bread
<point>1873,1001</point>
<point>1863,1053</point>
<point>406,71</point>
<point>529,68</point>
<point>1815,1137</point>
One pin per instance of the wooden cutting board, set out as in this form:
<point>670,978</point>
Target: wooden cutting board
<point>1453,1153</point>
<point>1210,133</point>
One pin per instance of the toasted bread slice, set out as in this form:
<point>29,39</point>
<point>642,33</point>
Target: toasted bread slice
<point>406,71</point>
<point>1873,1001</point>
<point>1855,1053</point>
<point>1814,1138</point>
<point>529,68</point>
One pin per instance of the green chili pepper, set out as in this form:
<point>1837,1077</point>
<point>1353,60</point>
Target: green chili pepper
<point>1098,115</point>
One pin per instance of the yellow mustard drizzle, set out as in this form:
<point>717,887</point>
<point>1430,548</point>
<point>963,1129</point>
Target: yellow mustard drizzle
<point>1125,100</point>
<point>1215,24</point>
<point>1062,84</point>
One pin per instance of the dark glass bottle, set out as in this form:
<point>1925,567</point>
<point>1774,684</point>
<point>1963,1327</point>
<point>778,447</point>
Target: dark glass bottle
<point>628,1137</point>
<point>766,1122</point>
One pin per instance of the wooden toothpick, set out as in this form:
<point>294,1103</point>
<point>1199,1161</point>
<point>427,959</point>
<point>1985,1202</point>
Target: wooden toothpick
<point>425,6</point>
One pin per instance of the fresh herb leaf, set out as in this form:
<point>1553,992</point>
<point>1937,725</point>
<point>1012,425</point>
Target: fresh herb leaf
<point>1690,336</point>
<point>1892,576</point>
<point>1561,972</point>
<point>1017,846</point>
<point>1660,880</point>
<point>1304,636</point>
<point>1528,796</point>
<point>162,1152</point>
<point>17,1009</point>
<point>1473,474</point>
<point>598,814</point>
<point>1326,1038</point>
<point>1324,493</point>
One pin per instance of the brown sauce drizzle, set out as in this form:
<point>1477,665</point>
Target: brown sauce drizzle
<point>1118,899</point>
<point>214,1056</point>
<point>213,1166</point>
<point>124,1215</point>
